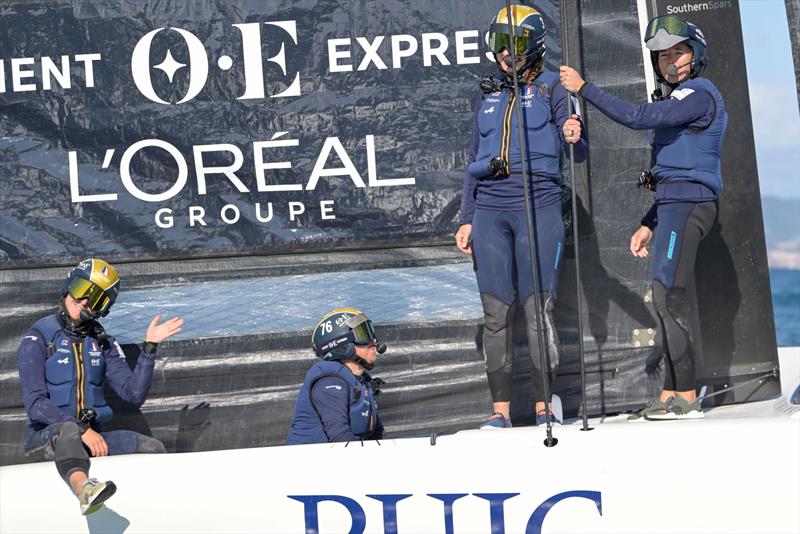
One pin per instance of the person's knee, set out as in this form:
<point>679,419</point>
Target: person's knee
<point>671,303</point>
<point>496,332</point>
<point>496,313</point>
<point>65,431</point>
<point>148,445</point>
<point>544,307</point>
<point>660,298</point>
<point>546,321</point>
<point>676,303</point>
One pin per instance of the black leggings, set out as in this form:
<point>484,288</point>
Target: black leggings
<point>62,442</point>
<point>681,227</point>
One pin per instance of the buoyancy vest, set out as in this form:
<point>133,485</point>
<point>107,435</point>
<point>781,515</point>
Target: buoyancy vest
<point>497,125</point>
<point>687,154</point>
<point>74,370</point>
<point>363,410</point>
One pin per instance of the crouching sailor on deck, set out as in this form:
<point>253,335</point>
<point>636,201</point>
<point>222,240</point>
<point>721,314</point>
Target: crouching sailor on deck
<point>337,399</point>
<point>64,359</point>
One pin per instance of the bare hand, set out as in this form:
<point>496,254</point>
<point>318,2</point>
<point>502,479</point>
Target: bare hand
<point>639,241</point>
<point>570,79</point>
<point>156,333</point>
<point>462,238</point>
<point>572,129</point>
<point>97,445</point>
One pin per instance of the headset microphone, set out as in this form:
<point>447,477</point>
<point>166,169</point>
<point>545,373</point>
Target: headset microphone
<point>672,68</point>
<point>380,348</point>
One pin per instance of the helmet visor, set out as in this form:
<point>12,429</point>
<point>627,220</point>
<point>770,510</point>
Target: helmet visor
<point>363,333</point>
<point>499,40</point>
<point>99,299</point>
<point>665,32</point>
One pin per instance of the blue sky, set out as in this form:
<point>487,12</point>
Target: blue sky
<point>773,96</point>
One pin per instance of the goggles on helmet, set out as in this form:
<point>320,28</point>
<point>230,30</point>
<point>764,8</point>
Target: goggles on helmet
<point>667,31</point>
<point>99,299</point>
<point>361,330</point>
<point>671,24</point>
<point>499,40</point>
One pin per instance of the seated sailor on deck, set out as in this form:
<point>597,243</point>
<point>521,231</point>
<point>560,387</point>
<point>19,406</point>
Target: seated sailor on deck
<point>64,359</point>
<point>337,399</point>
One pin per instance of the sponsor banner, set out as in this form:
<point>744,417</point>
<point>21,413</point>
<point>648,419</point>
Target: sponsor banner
<point>151,130</point>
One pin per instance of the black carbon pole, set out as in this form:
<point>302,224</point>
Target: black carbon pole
<point>566,61</point>
<point>550,441</point>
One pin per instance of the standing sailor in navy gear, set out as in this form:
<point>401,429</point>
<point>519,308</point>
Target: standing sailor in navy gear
<point>64,359</point>
<point>493,219</point>
<point>337,399</point>
<point>688,126</point>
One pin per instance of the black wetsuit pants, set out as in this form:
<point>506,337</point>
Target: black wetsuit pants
<point>62,442</point>
<point>681,227</point>
<point>502,258</point>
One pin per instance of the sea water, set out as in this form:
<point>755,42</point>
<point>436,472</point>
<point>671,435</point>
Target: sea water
<point>786,305</point>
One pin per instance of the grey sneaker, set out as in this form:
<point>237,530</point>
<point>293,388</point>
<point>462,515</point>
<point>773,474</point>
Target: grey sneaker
<point>496,420</point>
<point>655,406</point>
<point>678,408</point>
<point>93,494</point>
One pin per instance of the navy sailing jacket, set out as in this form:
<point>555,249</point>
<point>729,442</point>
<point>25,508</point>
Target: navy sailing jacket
<point>334,405</point>
<point>688,131</point>
<point>61,374</point>
<point>494,134</point>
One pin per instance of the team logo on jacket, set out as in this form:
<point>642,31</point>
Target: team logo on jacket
<point>95,362</point>
<point>490,110</point>
<point>65,343</point>
<point>64,361</point>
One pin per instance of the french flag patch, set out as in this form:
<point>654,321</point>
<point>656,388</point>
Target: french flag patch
<point>105,271</point>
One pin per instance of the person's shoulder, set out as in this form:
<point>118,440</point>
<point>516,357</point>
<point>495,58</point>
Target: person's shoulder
<point>696,88</point>
<point>44,327</point>
<point>549,77</point>
<point>698,83</point>
<point>331,384</point>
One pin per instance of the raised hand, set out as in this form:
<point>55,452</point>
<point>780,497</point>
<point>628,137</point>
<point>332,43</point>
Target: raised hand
<point>156,333</point>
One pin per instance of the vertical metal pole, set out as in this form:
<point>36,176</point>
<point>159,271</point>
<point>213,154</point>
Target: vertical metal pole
<point>550,441</point>
<point>566,61</point>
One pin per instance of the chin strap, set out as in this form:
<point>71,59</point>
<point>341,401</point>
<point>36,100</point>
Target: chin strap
<point>87,326</point>
<point>362,362</point>
<point>380,348</point>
